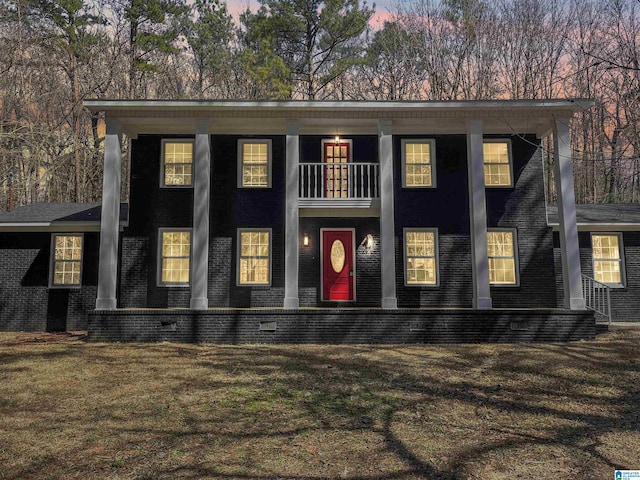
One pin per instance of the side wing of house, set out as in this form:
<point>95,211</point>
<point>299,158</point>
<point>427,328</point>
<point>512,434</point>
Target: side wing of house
<point>609,237</point>
<point>49,266</point>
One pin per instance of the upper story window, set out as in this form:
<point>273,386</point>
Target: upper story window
<point>175,256</point>
<point>177,163</point>
<point>254,256</point>
<point>418,163</point>
<point>497,163</point>
<point>607,258</point>
<point>66,269</point>
<point>254,163</point>
<point>421,256</point>
<point>501,248</point>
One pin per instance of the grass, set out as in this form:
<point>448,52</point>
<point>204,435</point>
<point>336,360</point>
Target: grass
<point>69,409</point>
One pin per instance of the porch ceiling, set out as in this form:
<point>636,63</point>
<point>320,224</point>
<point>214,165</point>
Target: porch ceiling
<point>330,118</point>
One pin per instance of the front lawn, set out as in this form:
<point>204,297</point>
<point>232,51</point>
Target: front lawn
<point>69,409</point>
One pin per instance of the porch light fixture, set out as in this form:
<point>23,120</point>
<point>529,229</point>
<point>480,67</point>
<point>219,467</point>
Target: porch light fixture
<point>305,240</point>
<point>336,140</point>
<point>368,242</point>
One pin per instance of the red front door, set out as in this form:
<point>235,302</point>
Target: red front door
<point>337,265</point>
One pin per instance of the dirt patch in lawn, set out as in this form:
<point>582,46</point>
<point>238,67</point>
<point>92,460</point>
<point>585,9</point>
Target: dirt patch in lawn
<point>70,409</point>
<point>23,338</point>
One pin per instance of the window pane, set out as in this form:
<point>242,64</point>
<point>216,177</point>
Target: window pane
<point>253,264</point>
<point>417,165</point>
<point>502,265</point>
<point>178,158</point>
<point>420,258</point>
<point>607,260</point>
<point>497,171</point>
<point>255,161</point>
<point>496,152</point>
<point>67,259</point>
<point>175,251</point>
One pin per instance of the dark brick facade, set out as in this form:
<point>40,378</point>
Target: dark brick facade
<point>26,301</point>
<point>341,326</point>
<point>445,208</point>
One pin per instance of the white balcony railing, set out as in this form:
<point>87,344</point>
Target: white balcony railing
<point>597,296</point>
<point>339,180</point>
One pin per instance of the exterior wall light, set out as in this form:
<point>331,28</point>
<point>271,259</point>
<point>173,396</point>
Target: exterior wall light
<point>305,240</point>
<point>336,140</point>
<point>368,242</point>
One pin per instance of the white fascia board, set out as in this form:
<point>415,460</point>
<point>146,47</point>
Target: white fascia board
<point>54,226</point>
<point>602,227</point>
<point>114,105</point>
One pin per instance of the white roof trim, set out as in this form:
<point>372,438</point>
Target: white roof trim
<point>111,105</point>
<point>602,227</point>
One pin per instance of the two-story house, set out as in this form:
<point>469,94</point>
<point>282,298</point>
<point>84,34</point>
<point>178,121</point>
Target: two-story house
<point>327,222</point>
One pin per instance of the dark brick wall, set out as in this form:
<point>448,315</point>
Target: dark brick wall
<point>523,208</point>
<point>26,301</point>
<point>624,301</point>
<point>341,326</point>
<point>447,209</point>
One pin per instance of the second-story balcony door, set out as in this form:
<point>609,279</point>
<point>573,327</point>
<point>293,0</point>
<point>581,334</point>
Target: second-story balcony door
<point>336,171</point>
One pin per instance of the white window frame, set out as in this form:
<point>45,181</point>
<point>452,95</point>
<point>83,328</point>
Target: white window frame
<point>241,143</point>
<point>159,257</point>
<point>52,262</point>
<point>240,231</point>
<point>510,155</point>
<point>516,256</point>
<point>162,161</point>
<point>432,151</point>
<point>436,253</point>
<point>623,277</point>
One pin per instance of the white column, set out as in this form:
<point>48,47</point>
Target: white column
<point>570,250</point>
<point>478,216</point>
<point>387,222</point>
<point>110,219</point>
<point>292,218</point>
<point>200,232</point>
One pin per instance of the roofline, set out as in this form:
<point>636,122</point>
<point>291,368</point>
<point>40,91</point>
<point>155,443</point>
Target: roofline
<point>90,226</point>
<point>97,105</point>
<point>602,227</point>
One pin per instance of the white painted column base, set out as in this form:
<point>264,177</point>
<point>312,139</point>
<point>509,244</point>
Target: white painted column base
<point>291,303</point>
<point>484,303</point>
<point>389,303</point>
<point>577,304</point>
<point>199,303</point>
<point>106,303</point>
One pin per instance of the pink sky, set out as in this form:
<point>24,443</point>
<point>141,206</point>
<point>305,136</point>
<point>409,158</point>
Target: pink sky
<point>235,7</point>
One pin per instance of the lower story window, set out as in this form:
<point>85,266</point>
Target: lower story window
<point>501,247</point>
<point>254,256</point>
<point>175,252</point>
<point>607,260</point>
<point>67,260</point>
<point>420,250</point>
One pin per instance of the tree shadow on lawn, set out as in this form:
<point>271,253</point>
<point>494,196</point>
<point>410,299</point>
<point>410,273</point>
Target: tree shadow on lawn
<point>361,390</point>
<point>416,404</point>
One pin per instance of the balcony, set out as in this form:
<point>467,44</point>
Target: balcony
<point>339,185</point>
